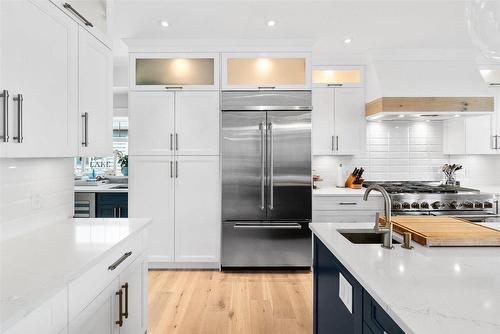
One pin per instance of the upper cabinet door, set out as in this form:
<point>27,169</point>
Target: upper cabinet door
<point>338,76</point>
<point>322,121</point>
<point>39,54</point>
<point>151,123</point>
<point>266,71</point>
<point>90,15</point>
<point>349,121</point>
<point>95,97</point>
<point>199,71</point>
<point>197,123</point>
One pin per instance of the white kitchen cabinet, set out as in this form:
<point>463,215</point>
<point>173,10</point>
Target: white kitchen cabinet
<point>151,123</point>
<point>182,196</point>
<point>133,284</point>
<point>197,123</point>
<point>338,76</point>
<point>266,71</point>
<point>338,123</point>
<point>473,135</point>
<point>39,60</point>
<point>174,71</point>
<point>345,209</point>
<point>174,123</point>
<point>100,315</point>
<point>197,209</point>
<point>151,194</point>
<point>89,14</point>
<point>95,96</point>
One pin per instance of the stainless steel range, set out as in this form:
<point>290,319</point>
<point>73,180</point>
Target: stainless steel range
<point>433,198</point>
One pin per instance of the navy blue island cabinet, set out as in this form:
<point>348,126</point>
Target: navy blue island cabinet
<point>111,205</point>
<point>356,313</point>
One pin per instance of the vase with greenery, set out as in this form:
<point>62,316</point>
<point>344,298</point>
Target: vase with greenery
<point>123,161</point>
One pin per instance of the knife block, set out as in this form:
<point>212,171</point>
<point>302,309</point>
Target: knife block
<point>349,183</point>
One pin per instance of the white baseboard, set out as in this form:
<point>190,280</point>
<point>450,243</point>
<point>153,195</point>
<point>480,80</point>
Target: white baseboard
<point>183,265</point>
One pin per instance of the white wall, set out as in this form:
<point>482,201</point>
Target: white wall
<point>398,151</point>
<point>34,193</point>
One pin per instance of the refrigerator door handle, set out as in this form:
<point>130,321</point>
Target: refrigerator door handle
<point>271,167</point>
<point>262,165</point>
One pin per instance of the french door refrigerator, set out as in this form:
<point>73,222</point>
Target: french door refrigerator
<point>266,178</point>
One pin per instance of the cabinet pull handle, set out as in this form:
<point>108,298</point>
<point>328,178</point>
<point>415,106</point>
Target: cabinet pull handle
<point>125,286</point>
<point>5,136</point>
<point>114,212</point>
<point>171,142</point>
<point>119,261</point>
<point>174,87</point>
<point>119,322</point>
<point>334,85</point>
<point>176,141</point>
<point>266,87</point>
<point>85,141</point>
<point>337,142</point>
<point>176,169</point>
<point>496,142</point>
<point>19,99</point>
<point>333,143</point>
<point>119,212</point>
<point>80,16</point>
<point>171,169</point>
<point>348,203</point>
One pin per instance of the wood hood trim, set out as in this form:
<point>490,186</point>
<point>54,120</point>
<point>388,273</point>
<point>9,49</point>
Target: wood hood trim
<point>430,104</point>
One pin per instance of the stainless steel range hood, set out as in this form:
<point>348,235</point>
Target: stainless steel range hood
<point>420,88</point>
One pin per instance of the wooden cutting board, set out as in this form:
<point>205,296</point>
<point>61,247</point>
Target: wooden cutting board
<point>445,231</point>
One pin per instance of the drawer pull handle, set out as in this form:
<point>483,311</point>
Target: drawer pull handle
<point>119,322</point>
<point>348,203</point>
<point>119,261</point>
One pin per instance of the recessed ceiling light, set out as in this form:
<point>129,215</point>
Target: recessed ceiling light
<point>271,23</point>
<point>164,23</point>
<point>347,41</point>
<point>456,116</point>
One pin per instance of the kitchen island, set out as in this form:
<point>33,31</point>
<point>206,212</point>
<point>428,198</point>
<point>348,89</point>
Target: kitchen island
<point>424,290</point>
<point>57,277</point>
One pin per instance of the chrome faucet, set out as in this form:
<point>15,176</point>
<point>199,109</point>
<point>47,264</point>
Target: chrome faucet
<point>387,229</point>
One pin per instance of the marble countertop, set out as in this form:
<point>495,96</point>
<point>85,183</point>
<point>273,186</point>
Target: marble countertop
<point>425,290</point>
<point>37,265</point>
<point>102,188</point>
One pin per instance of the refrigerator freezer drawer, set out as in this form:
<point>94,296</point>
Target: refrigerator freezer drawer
<point>257,244</point>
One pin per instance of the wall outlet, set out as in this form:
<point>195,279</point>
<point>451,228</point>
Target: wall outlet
<point>345,292</point>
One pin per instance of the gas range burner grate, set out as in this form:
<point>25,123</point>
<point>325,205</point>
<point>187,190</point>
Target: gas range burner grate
<point>414,187</point>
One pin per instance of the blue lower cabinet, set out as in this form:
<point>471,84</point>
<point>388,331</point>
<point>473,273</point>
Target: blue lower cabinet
<point>331,315</point>
<point>111,205</point>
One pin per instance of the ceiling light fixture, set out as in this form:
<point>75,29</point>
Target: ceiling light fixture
<point>271,23</point>
<point>347,41</point>
<point>456,116</point>
<point>164,23</point>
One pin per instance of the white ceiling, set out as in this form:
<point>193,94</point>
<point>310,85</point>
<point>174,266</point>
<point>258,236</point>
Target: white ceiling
<point>370,24</point>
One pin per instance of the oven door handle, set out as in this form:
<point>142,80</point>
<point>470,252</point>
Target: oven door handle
<point>268,227</point>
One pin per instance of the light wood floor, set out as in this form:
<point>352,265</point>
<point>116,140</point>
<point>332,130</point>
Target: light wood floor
<point>209,302</point>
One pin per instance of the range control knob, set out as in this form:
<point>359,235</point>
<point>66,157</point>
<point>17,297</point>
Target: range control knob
<point>396,205</point>
<point>406,205</point>
<point>436,205</point>
<point>478,205</point>
<point>424,205</point>
<point>488,205</point>
<point>453,205</point>
<point>468,205</point>
<point>415,205</point>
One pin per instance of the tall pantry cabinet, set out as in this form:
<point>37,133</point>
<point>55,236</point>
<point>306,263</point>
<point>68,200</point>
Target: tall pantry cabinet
<point>174,174</point>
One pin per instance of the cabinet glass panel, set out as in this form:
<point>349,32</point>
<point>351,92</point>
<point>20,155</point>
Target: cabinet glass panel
<point>174,71</point>
<point>351,76</point>
<point>266,71</point>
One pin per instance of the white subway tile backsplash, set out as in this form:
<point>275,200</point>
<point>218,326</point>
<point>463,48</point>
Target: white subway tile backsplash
<point>34,193</point>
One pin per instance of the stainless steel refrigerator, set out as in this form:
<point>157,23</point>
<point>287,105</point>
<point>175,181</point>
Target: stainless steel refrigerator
<point>266,178</point>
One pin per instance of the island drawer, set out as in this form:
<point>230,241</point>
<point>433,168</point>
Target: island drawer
<point>86,287</point>
<point>347,203</point>
<point>324,216</point>
<point>376,319</point>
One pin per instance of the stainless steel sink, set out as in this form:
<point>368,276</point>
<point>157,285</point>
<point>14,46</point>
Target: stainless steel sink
<point>363,236</point>
<point>120,186</point>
